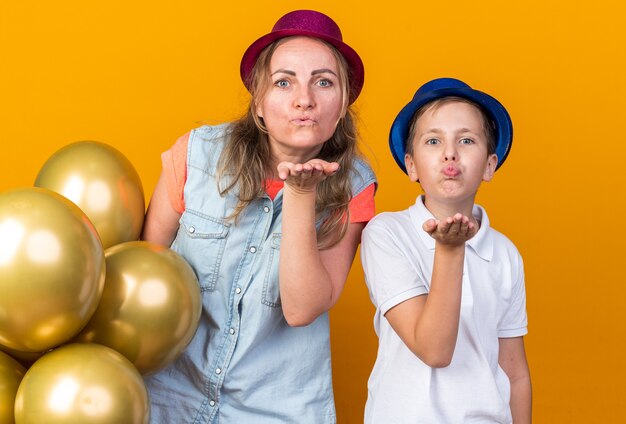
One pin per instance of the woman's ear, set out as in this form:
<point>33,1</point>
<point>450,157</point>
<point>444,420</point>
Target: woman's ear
<point>411,170</point>
<point>341,118</point>
<point>490,168</point>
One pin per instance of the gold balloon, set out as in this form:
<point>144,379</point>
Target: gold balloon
<point>51,269</point>
<point>24,358</point>
<point>82,383</point>
<point>11,373</point>
<point>103,183</point>
<point>150,307</point>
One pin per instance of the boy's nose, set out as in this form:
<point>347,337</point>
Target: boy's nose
<point>450,152</point>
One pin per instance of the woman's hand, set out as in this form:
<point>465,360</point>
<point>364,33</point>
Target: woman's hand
<point>304,177</point>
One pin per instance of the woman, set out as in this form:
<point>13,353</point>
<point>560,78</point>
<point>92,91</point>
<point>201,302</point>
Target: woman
<point>268,211</point>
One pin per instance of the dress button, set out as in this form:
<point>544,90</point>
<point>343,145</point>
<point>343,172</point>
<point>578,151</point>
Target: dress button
<point>266,209</point>
<point>238,290</point>
<point>192,230</point>
<point>252,249</point>
<point>218,371</point>
<point>212,403</point>
<point>231,331</point>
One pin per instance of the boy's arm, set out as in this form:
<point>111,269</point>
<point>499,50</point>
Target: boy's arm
<point>429,324</point>
<point>512,359</point>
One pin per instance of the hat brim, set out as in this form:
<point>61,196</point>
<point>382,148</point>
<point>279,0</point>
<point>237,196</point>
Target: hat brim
<point>355,65</point>
<point>401,125</point>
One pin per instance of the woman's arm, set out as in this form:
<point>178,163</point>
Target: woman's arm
<point>512,359</point>
<point>161,221</point>
<point>310,280</point>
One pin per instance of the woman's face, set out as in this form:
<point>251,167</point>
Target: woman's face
<point>304,100</point>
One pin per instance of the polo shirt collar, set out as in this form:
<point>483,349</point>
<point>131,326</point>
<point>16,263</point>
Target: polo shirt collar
<point>481,243</point>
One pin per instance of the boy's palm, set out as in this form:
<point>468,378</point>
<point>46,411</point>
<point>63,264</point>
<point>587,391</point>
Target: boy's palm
<point>452,231</point>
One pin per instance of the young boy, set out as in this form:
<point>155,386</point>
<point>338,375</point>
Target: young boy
<point>448,289</point>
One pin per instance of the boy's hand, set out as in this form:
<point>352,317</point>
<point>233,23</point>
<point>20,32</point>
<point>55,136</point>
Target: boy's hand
<point>452,231</point>
<point>304,177</point>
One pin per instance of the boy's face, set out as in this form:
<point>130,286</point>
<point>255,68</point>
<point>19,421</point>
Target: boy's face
<point>449,156</point>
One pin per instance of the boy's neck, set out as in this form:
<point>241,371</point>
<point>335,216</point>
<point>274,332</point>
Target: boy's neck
<point>444,209</point>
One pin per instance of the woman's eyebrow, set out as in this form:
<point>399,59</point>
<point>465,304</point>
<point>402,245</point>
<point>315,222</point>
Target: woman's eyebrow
<point>315,72</point>
<point>284,71</point>
<point>323,71</point>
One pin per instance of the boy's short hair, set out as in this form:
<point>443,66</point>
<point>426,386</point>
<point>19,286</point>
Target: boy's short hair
<point>488,125</point>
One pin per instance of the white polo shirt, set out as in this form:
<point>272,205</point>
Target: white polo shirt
<point>397,256</point>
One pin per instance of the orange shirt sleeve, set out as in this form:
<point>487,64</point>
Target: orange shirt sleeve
<point>175,172</point>
<point>362,205</point>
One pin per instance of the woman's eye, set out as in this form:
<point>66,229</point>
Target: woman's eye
<point>282,83</point>
<point>324,83</point>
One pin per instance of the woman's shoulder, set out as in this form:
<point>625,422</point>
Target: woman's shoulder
<point>211,133</point>
<point>206,144</point>
<point>360,164</point>
<point>362,175</point>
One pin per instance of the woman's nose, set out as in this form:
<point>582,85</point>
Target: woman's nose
<point>304,98</point>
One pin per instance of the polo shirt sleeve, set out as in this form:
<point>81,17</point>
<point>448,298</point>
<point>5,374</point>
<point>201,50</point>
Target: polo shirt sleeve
<point>390,277</point>
<point>514,322</point>
<point>175,172</point>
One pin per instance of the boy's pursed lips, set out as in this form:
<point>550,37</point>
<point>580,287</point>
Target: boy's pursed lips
<point>451,171</point>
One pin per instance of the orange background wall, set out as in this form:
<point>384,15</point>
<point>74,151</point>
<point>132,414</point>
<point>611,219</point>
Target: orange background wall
<point>137,74</point>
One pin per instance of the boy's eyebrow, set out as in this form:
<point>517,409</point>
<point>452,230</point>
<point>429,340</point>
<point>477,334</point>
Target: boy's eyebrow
<point>439,130</point>
<point>432,130</point>
<point>315,72</point>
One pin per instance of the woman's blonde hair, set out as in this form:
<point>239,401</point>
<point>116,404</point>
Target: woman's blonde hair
<point>245,161</point>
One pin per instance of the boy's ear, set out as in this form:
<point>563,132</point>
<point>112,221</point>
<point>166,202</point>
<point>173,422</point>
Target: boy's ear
<point>490,168</point>
<point>410,168</point>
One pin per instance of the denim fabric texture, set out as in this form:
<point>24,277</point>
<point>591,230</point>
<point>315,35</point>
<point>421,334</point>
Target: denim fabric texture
<point>245,364</point>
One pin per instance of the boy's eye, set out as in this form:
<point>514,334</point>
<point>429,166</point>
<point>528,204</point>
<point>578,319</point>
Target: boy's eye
<point>432,141</point>
<point>282,83</point>
<point>466,141</point>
